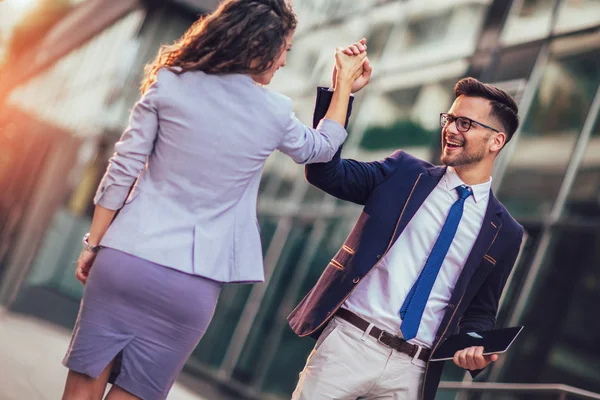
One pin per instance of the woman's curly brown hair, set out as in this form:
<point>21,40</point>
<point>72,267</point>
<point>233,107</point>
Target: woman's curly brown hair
<point>237,33</point>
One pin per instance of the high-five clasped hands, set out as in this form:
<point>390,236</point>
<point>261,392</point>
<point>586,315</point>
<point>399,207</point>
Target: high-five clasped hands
<point>348,67</point>
<point>356,51</point>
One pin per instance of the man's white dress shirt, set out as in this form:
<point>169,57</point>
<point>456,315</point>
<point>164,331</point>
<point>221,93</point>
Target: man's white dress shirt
<point>379,297</point>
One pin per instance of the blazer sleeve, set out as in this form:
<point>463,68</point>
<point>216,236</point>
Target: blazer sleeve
<point>347,179</point>
<point>131,152</point>
<point>481,313</point>
<point>310,145</point>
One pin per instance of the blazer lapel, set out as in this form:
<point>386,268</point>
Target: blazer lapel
<point>426,182</point>
<point>492,223</point>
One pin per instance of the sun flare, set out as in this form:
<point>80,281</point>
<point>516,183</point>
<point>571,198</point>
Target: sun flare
<point>22,4</point>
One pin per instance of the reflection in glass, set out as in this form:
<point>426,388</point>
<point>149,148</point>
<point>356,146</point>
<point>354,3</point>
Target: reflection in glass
<point>404,119</point>
<point>403,133</point>
<point>513,289</point>
<point>213,346</point>
<point>577,14</point>
<point>292,351</point>
<point>516,63</point>
<point>428,30</point>
<point>48,112</point>
<point>314,12</point>
<point>584,200</point>
<point>528,20</point>
<point>378,39</point>
<point>428,33</point>
<point>279,284</point>
<point>313,195</point>
<point>549,133</point>
<point>560,340</point>
<point>233,298</point>
<point>72,93</point>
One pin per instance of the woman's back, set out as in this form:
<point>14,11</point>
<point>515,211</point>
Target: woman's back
<point>200,141</point>
<point>214,135</point>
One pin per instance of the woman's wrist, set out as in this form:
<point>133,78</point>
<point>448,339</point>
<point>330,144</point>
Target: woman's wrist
<point>89,244</point>
<point>344,85</point>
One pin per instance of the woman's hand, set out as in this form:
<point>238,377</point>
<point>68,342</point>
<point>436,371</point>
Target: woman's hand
<point>84,265</point>
<point>100,223</point>
<point>364,79</point>
<point>349,67</point>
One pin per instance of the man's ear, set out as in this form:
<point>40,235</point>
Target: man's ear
<point>498,141</point>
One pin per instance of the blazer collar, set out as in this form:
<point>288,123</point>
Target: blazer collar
<point>436,171</point>
<point>494,205</point>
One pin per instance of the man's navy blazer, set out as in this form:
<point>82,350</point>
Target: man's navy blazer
<point>391,192</point>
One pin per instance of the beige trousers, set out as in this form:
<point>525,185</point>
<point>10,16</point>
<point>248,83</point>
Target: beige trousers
<point>347,363</point>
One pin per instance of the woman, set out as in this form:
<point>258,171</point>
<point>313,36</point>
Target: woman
<point>196,143</point>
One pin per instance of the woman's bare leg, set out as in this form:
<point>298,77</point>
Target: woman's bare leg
<point>116,393</point>
<point>83,387</point>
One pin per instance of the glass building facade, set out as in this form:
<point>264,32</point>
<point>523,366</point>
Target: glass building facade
<point>545,52</point>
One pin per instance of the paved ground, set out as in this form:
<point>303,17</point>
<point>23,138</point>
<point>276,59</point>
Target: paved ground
<point>30,360</point>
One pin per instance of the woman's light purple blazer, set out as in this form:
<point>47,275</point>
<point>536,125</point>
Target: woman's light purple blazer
<point>198,143</point>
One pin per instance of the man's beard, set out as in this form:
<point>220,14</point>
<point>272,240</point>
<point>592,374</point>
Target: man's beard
<point>464,158</point>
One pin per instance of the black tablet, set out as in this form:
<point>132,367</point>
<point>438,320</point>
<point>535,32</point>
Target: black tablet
<point>494,341</point>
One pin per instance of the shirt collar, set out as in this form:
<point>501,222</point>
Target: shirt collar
<point>480,191</point>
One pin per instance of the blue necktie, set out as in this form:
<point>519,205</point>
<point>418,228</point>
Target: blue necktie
<point>414,304</point>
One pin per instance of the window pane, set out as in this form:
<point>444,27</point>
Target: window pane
<point>313,195</point>
<point>213,346</point>
<point>211,349</point>
<point>516,63</point>
<point>292,351</point>
<point>378,38</point>
<point>50,113</point>
<point>406,118</point>
<point>560,341</point>
<point>528,20</point>
<point>549,134</point>
<point>429,32</point>
<point>513,290</point>
<point>584,199</point>
<point>577,14</point>
<point>315,12</point>
<point>279,284</point>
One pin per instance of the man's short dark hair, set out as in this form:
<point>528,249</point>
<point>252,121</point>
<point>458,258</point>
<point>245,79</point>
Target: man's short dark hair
<point>504,107</point>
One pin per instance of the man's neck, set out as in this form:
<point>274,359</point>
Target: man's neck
<point>473,175</point>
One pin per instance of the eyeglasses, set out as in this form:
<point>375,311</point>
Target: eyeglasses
<point>463,124</point>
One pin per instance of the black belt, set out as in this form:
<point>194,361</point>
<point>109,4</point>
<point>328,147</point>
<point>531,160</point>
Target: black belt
<point>383,337</point>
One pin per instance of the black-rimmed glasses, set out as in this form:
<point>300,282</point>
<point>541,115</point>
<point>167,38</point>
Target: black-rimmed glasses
<point>463,124</point>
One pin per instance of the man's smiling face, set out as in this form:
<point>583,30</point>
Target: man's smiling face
<point>461,148</point>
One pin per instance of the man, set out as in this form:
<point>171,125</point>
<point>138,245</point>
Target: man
<point>428,257</point>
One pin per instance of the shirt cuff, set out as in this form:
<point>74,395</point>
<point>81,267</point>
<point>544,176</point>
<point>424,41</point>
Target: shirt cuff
<point>332,90</point>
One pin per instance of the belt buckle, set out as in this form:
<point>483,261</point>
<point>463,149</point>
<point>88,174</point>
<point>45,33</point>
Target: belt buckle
<point>415,357</point>
<point>382,342</point>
